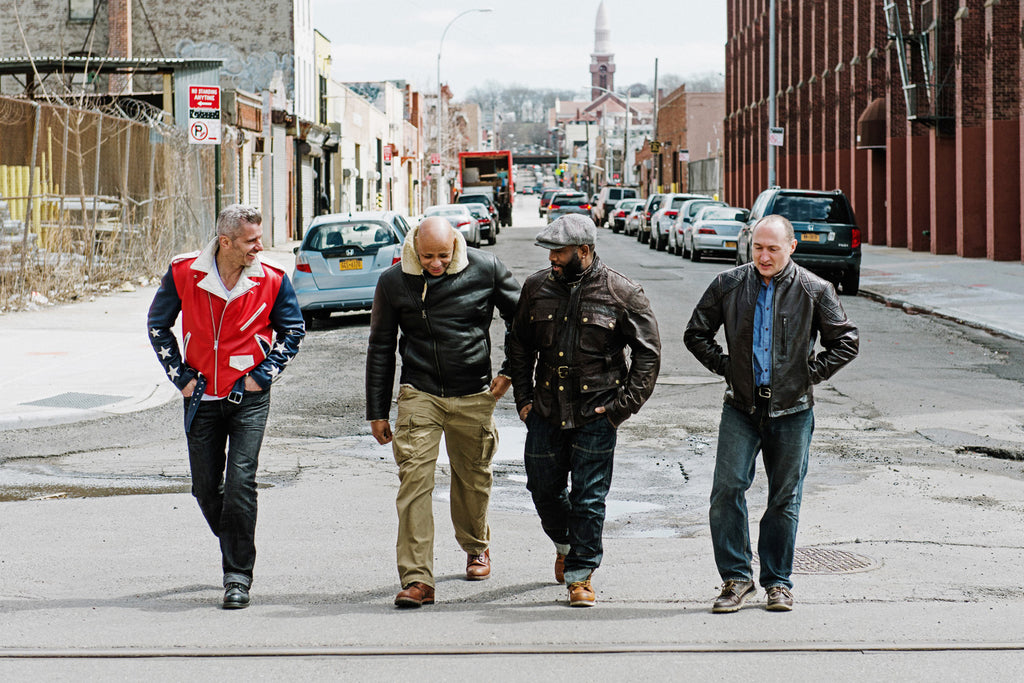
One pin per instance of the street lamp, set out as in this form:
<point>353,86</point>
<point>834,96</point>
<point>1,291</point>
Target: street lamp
<point>440,101</point>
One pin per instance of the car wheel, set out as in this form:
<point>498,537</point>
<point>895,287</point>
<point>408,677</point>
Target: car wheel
<point>851,282</point>
<point>685,251</point>
<point>492,238</point>
<point>652,241</point>
<point>308,318</point>
<point>615,228</point>
<point>695,254</point>
<point>662,243</point>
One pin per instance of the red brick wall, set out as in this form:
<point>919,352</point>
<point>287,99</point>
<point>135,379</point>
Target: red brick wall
<point>945,185</point>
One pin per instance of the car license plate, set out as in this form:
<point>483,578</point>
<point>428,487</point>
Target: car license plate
<point>350,264</point>
<point>809,237</point>
<point>730,245</point>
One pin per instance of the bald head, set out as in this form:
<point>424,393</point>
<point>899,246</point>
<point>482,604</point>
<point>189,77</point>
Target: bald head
<point>435,244</point>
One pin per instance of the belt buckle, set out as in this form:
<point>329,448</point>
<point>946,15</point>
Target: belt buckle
<point>563,371</point>
<point>235,397</point>
<point>764,392</point>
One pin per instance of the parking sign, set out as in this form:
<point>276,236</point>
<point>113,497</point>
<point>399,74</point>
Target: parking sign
<point>204,114</point>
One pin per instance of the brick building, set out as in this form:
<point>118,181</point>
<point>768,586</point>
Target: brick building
<point>912,107</point>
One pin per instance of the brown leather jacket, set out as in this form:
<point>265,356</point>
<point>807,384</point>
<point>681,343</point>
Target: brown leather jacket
<point>566,351</point>
<point>805,307</point>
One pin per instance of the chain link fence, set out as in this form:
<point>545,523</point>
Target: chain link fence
<point>93,199</point>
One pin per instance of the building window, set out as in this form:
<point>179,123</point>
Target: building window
<point>81,10</point>
<point>323,100</point>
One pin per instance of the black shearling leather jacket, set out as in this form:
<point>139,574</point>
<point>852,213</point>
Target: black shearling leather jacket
<point>805,307</point>
<point>444,322</point>
<point>567,348</point>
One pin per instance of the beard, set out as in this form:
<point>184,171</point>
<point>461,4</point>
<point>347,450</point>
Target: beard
<point>572,270</point>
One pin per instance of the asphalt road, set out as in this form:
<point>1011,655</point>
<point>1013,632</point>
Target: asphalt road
<point>912,470</point>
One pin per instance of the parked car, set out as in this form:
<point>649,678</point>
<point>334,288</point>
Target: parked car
<point>461,218</point>
<point>662,219</point>
<point>678,240</point>
<point>828,241</point>
<point>617,218</point>
<point>713,231</point>
<point>545,199</point>
<point>480,198</point>
<point>488,226</point>
<point>633,218</point>
<point>562,204</point>
<point>607,199</point>
<point>652,204</point>
<point>340,258</point>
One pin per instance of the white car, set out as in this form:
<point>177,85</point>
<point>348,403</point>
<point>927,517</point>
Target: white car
<point>684,220</point>
<point>461,218</point>
<point>714,230</point>
<point>665,216</point>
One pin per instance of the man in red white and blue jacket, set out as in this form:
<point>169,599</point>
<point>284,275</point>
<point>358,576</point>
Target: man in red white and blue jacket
<point>240,326</point>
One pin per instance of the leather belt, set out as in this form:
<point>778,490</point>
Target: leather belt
<point>563,371</point>
<point>234,396</point>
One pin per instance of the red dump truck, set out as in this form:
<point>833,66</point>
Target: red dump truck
<point>489,173</point>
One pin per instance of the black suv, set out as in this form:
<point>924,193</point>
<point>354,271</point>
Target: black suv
<point>827,236</point>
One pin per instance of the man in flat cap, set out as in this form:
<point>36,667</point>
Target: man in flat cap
<point>574,385</point>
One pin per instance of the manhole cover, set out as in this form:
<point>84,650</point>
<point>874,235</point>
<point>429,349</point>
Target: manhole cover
<point>76,400</point>
<point>829,561</point>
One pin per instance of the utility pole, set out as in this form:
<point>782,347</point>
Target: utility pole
<point>771,89</point>
<point>657,167</point>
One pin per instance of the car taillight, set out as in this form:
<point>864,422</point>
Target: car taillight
<point>395,260</point>
<point>620,214</point>
<point>855,238</point>
<point>552,207</point>
<point>671,214</point>
<point>303,268</point>
<point>585,207</point>
<point>707,231</point>
<point>461,223</point>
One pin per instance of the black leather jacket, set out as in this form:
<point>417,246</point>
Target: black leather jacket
<point>566,351</point>
<point>805,306</point>
<point>444,322</point>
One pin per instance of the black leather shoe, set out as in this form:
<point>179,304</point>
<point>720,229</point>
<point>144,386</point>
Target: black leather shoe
<point>236,596</point>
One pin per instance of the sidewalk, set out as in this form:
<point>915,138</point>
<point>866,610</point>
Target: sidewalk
<point>85,360</point>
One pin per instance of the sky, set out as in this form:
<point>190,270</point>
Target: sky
<point>535,43</point>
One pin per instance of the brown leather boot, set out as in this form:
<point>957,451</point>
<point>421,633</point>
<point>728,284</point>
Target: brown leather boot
<point>415,595</point>
<point>559,567</point>
<point>581,594</point>
<point>478,567</point>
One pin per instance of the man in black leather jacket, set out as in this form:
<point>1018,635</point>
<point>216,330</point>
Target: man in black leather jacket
<point>441,297</point>
<point>772,310</point>
<point>574,387</point>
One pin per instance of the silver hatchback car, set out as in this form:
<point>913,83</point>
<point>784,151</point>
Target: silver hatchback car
<point>341,257</point>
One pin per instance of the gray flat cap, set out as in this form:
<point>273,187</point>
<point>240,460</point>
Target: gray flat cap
<point>570,230</point>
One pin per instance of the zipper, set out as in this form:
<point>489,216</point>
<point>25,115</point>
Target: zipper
<point>430,335</point>
<point>216,337</point>
<point>253,318</point>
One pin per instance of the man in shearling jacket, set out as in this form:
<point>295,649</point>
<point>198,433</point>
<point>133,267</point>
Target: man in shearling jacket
<point>441,300</point>
<point>773,311</point>
<point>241,325</point>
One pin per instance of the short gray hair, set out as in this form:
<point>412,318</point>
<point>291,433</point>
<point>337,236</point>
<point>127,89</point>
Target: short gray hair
<point>782,221</point>
<point>232,217</point>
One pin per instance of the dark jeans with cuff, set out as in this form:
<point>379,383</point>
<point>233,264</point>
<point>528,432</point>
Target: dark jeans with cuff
<point>223,451</point>
<point>571,516</point>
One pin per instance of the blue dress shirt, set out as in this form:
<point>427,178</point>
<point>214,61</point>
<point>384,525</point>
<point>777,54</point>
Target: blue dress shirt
<point>763,335</point>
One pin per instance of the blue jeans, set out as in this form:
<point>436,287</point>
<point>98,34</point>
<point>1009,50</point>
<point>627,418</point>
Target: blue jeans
<point>784,443</point>
<point>571,517</point>
<point>224,480</point>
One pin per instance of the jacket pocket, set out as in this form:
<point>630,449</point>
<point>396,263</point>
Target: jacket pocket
<point>544,321</point>
<point>242,362</point>
<point>596,331</point>
<point>255,315</point>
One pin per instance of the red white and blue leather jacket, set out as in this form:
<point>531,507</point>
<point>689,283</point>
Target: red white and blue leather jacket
<point>255,333</point>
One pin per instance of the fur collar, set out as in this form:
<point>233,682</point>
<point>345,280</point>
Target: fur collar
<point>411,260</point>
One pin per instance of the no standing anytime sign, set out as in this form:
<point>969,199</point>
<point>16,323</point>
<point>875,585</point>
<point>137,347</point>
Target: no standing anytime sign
<point>204,114</point>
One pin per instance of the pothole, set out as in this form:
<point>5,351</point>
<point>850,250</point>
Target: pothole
<point>993,452</point>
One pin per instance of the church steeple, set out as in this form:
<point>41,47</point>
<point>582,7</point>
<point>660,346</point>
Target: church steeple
<point>602,61</point>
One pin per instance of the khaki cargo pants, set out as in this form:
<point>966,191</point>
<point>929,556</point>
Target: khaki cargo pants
<point>472,440</point>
